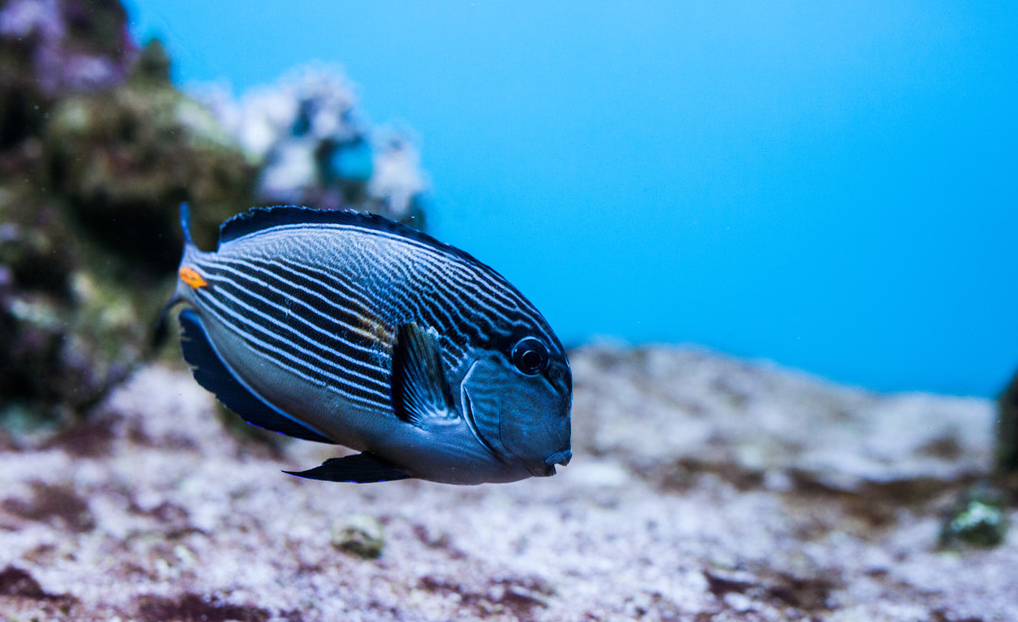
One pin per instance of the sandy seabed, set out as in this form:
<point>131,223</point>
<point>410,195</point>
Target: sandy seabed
<point>702,488</point>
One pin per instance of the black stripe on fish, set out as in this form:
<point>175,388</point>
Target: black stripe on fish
<point>409,305</point>
<point>281,353</point>
<point>435,281</point>
<point>321,295</point>
<point>329,281</point>
<point>406,302</point>
<point>354,334</point>
<point>493,303</point>
<point>278,323</point>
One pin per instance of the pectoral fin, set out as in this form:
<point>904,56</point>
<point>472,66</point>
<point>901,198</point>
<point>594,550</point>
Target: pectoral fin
<point>360,469</point>
<point>420,392</point>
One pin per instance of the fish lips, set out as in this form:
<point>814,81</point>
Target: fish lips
<point>548,468</point>
<point>559,457</point>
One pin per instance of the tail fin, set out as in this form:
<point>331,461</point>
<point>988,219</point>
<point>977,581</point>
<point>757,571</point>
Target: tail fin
<point>185,225</point>
<point>161,329</point>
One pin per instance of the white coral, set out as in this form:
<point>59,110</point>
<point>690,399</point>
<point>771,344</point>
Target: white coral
<point>291,129</point>
<point>397,175</point>
<point>24,17</point>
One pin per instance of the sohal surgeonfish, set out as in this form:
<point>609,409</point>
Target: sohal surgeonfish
<point>348,328</point>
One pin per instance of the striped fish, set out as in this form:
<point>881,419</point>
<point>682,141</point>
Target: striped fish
<point>348,328</point>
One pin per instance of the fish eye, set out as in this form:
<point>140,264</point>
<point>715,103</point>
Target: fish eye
<point>530,356</point>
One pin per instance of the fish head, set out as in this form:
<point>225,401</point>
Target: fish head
<point>517,399</point>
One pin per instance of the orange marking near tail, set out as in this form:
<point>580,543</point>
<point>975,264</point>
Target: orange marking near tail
<point>192,278</point>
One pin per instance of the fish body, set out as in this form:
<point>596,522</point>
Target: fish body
<point>348,328</point>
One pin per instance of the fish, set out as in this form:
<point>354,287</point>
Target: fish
<point>348,328</point>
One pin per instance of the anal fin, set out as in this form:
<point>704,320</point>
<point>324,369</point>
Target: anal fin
<point>212,373</point>
<point>359,469</point>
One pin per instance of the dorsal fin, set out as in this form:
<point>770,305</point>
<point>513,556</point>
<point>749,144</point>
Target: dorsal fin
<point>260,218</point>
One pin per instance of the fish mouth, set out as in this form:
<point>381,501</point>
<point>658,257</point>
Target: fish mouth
<point>541,470</point>
<point>547,468</point>
<point>559,457</point>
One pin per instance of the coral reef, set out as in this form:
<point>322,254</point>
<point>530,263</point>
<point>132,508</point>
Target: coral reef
<point>68,320</point>
<point>52,47</point>
<point>1006,450</point>
<point>696,493</point>
<point>313,148</point>
<point>979,517</point>
<point>68,329</point>
<point>124,159</point>
<point>96,153</point>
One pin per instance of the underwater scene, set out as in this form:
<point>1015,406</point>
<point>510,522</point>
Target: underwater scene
<point>514,311</point>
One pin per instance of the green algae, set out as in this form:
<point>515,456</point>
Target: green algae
<point>89,198</point>
<point>1006,447</point>
<point>977,518</point>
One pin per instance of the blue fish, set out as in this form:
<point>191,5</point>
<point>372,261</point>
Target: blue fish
<point>349,328</point>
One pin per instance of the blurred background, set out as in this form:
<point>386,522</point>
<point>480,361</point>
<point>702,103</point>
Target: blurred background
<point>829,186</point>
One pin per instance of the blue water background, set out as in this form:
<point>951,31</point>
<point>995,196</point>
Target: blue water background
<point>829,185</point>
